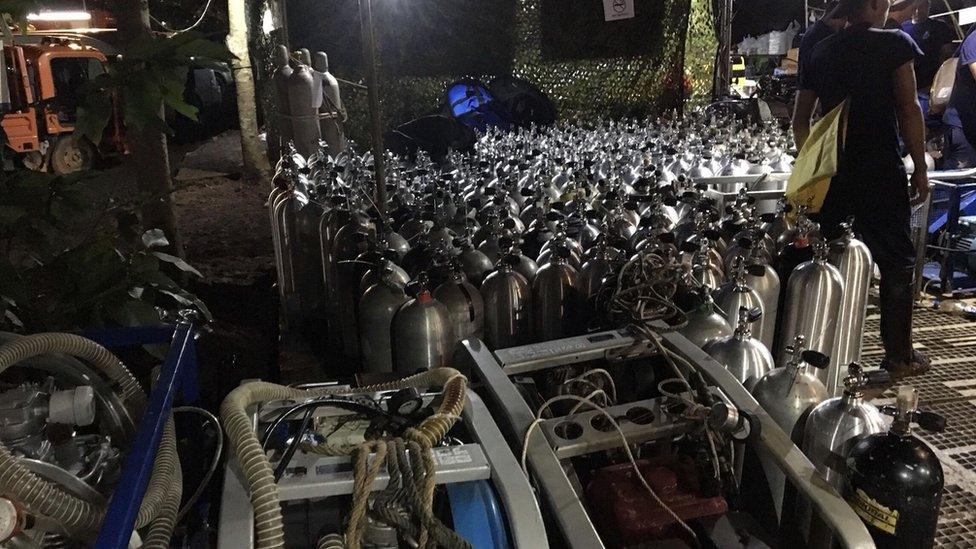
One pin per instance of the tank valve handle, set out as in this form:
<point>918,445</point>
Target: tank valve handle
<point>906,412</point>
<point>816,359</point>
<point>749,316</point>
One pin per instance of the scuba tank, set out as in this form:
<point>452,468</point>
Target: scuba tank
<point>557,299</point>
<point>351,241</point>
<point>736,294</point>
<point>831,429</point>
<point>853,259</point>
<point>787,394</point>
<point>705,324</point>
<point>745,356</point>
<point>762,278</point>
<point>377,307</point>
<point>894,480</point>
<point>474,263</point>
<point>464,303</point>
<point>422,332</point>
<point>507,297</point>
<point>812,306</point>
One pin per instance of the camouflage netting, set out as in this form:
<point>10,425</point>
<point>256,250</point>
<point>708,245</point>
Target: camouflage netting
<point>639,85</point>
<point>700,49</point>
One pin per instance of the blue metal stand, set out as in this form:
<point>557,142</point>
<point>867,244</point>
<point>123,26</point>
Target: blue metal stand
<point>477,515</point>
<point>178,370</point>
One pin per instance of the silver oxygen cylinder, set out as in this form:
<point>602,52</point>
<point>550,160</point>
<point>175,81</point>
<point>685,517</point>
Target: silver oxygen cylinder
<point>304,110</point>
<point>736,294</point>
<point>332,113</point>
<point>853,259</point>
<point>378,271</point>
<point>786,394</point>
<point>280,77</point>
<point>558,303</point>
<point>745,356</point>
<point>377,307</point>
<point>812,307</point>
<point>762,278</point>
<point>705,324</point>
<point>465,304</point>
<point>351,241</point>
<point>423,337</point>
<point>831,429</point>
<point>507,297</point>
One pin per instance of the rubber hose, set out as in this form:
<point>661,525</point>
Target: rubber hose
<point>161,530</point>
<point>331,541</point>
<point>78,347</point>
<point>165,468</point>
<point>243,441</point>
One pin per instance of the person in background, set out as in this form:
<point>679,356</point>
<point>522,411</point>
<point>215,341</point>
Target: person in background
<point>934,38</point>
<point>899,13</point>
<point>960,116</point>
<point>874,69</point>
<point>830,23</point>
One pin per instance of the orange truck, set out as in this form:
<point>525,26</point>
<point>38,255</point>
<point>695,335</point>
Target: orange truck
<point>40,79</point>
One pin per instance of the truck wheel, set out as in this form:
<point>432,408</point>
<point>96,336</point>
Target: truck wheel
<point>72,154</point>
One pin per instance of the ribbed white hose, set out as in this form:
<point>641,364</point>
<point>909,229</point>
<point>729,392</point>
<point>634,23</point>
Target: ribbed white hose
<point>161,529</point>
<point>258,474</point>
<point>165,468</point>
<point>331,541</point>
<point>44,498</point>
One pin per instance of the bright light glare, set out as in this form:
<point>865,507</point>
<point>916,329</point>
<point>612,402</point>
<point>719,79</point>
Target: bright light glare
<point>59,16</point>
<point>267,22</point>
<point>967,16</point>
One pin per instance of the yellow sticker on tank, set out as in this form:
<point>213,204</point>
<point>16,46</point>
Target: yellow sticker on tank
<point>872,512</point>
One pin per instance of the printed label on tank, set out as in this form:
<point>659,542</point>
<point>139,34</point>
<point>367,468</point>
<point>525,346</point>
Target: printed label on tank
<point>451,456</point>
<point>872,512</point>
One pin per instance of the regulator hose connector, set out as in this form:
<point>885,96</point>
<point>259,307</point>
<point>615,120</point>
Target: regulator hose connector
<point>254,463</point>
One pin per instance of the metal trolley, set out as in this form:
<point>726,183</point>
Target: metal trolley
<point>491,501</point>
<point>547,457</point>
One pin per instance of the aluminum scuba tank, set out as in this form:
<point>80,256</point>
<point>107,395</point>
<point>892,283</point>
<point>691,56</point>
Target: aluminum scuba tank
<point>474,263</point>
<point>596,269</point>
<point>894,481</point>
<point>422,332</point>
<point>376,272</point>
<point>736,294</point>
<point>853,259</point>
<point>831,429</point>
<point>787,394</point>
<point>281,75</point>
<point>705,324</point>
<point>745,356</point>
<point>507,296</point>
<point>377,307</point>
<point>303,107</point>
<point>331,109</point>
<point>812,306</point>
<point>558,304</point>
<point>351,241</point>
<point>465,304</point>
<point>762,278</point>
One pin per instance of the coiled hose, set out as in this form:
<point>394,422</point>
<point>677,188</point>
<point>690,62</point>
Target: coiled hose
<point>161,529</point>
<point>257,470</point>
<point>42,497</point>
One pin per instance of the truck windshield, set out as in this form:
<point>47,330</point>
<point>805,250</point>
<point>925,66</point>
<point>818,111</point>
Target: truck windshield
<point>68,74</point>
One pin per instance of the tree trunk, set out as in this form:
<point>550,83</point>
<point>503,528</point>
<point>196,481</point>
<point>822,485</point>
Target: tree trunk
<point>255,159</point>
<point>148,159</point>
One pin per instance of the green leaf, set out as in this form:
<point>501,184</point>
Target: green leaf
<point>133,312</point>
<point>93,114</point>
<point>178,263</point>
<point>155,238</point>
<point>189,300</point>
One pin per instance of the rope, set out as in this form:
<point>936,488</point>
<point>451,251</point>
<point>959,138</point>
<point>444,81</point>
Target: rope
<point>407,503</point>
<point>364,474</point>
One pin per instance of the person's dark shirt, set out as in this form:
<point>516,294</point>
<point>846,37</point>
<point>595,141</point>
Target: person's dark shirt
<point>813,36</point>
<point>961,111</point>
<point>859,63</point>
<point>931,35</point>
